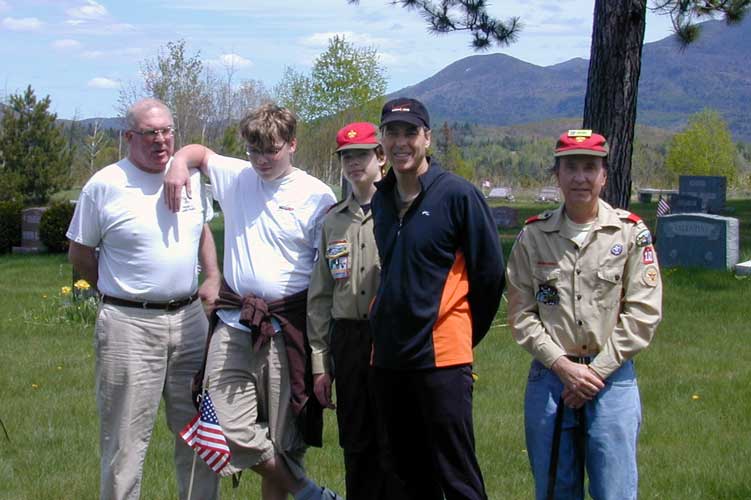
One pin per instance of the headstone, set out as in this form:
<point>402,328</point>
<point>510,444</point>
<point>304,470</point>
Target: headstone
<point>686,204</point>
<point>30,242</point>
<point>697,240</point>
<point>712,189</point>
<point>743,269</point>
<point>645,196</point>
<point>549,194</point>
<point>503,193</point>
<point>505,217</point>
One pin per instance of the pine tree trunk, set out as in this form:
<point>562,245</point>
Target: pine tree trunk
<point>612,85</point>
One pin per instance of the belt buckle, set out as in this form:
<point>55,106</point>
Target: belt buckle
<point>172,305</point>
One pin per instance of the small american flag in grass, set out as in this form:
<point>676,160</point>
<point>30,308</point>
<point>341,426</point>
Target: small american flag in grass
<point>205,436</point>
<point>663,207</point>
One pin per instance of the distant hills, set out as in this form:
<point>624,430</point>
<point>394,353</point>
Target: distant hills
<point>497,89</point>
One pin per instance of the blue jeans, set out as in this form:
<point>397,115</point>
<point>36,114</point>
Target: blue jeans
<point>611,429</point>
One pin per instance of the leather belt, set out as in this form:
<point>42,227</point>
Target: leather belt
<point>582,360</point>
<point>172,305</point>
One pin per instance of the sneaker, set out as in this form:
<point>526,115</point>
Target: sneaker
<point>327,494</point>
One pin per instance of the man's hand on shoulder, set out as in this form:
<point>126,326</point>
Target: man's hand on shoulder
<point>177,177</point>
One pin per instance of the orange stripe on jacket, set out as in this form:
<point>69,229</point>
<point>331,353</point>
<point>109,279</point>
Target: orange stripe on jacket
<point>452,333</point>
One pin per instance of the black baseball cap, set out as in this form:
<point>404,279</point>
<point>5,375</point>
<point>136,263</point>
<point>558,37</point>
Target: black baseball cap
<point>405,109</point>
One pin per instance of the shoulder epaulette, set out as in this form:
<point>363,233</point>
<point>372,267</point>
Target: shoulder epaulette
<point>538,217</point>
<point>632,217</point>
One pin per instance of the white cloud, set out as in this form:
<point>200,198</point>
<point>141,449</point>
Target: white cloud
<point>75,22</point>
<point>233,61</point>
<point>322,39</point>
<point>22,24</point>
<point>66,44</point>
<point>103,83</point>
<point>90,10</point>
<point>4,6</point>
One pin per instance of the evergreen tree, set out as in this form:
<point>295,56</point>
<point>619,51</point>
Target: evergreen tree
<point>35,158</point>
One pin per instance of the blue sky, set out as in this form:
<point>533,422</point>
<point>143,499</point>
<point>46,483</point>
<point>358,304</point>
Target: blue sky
<point>80,51</point>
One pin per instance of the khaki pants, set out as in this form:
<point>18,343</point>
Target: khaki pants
<point>251,394</point>
<point>143,355</point>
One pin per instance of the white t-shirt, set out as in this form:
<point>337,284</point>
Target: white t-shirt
<point>271,229</point>
<point>146,252</point>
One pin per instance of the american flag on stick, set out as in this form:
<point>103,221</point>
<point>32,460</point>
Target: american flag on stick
<point>663,207</point>
<point>205,436</point>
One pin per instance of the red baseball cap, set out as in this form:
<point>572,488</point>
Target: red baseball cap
<point>358,135</point>
<point>581,142</point>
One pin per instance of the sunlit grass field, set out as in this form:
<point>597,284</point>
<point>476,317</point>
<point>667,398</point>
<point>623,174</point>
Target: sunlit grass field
<point>695,383</point>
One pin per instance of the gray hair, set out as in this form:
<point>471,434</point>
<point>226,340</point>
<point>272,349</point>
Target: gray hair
<point>131,117</point>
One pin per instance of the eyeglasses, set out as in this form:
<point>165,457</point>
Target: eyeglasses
<point>152,133</point>
<point>270,154</point>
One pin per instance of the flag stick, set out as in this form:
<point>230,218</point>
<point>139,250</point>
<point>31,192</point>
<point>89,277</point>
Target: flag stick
<point>192,475</point>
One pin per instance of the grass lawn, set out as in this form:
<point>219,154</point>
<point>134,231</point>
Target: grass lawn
<point>695,383</point>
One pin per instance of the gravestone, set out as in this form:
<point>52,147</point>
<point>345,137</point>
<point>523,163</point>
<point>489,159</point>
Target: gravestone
<point>505,217</point>
<point>697,240</point>
<point>548,194</point>
<point>712,189</point>
<point>503,193</point>
<point>686,204</point>
<point>30,242</point>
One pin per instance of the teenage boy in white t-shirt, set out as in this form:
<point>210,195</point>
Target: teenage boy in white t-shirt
<point>273,215</point>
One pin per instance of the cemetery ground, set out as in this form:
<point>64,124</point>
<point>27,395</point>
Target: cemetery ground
<point>694,380</point>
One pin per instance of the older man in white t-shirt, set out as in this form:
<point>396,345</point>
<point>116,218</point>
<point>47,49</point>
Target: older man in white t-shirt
<point>273,214</point>
<point>151,329</point>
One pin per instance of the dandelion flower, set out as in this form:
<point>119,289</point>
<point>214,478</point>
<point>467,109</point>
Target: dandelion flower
<point>59,367</point>
<point>81,285</point>
<point>44,295</point>
<point>34,386</point>
<point>695,397</point>
<point>65,290</point>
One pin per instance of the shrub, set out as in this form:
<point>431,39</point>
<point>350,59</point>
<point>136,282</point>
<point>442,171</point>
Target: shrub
<point>10,225</point>
<point>54,224</point>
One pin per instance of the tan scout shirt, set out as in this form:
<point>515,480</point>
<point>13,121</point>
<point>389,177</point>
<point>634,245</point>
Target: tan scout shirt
<point>603,299</point>
<point>345,277</point>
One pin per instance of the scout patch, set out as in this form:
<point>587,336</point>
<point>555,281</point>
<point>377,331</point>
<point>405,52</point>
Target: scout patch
<point>648,255</point>
<point>337,255</point>
<point>617,249</point>
<point>548,295</point>
<point>644,238</point>
<point>650,275</point>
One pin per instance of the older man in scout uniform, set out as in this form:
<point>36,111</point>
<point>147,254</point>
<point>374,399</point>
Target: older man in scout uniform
<point>585,297</point>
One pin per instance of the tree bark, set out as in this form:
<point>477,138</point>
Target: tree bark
<point>612,85</point>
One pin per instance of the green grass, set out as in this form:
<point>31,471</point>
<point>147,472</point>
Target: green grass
<point>689,448</point>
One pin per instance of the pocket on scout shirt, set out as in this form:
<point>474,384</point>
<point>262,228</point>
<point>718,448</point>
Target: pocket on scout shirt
<point>338,259</point>
<point>609,286</point>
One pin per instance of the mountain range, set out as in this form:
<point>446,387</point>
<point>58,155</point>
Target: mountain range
<point>497,89</point>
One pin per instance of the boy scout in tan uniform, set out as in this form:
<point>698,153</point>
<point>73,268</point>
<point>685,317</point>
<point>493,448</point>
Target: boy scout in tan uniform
<point>585,296</point>
<point>344,281</point>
